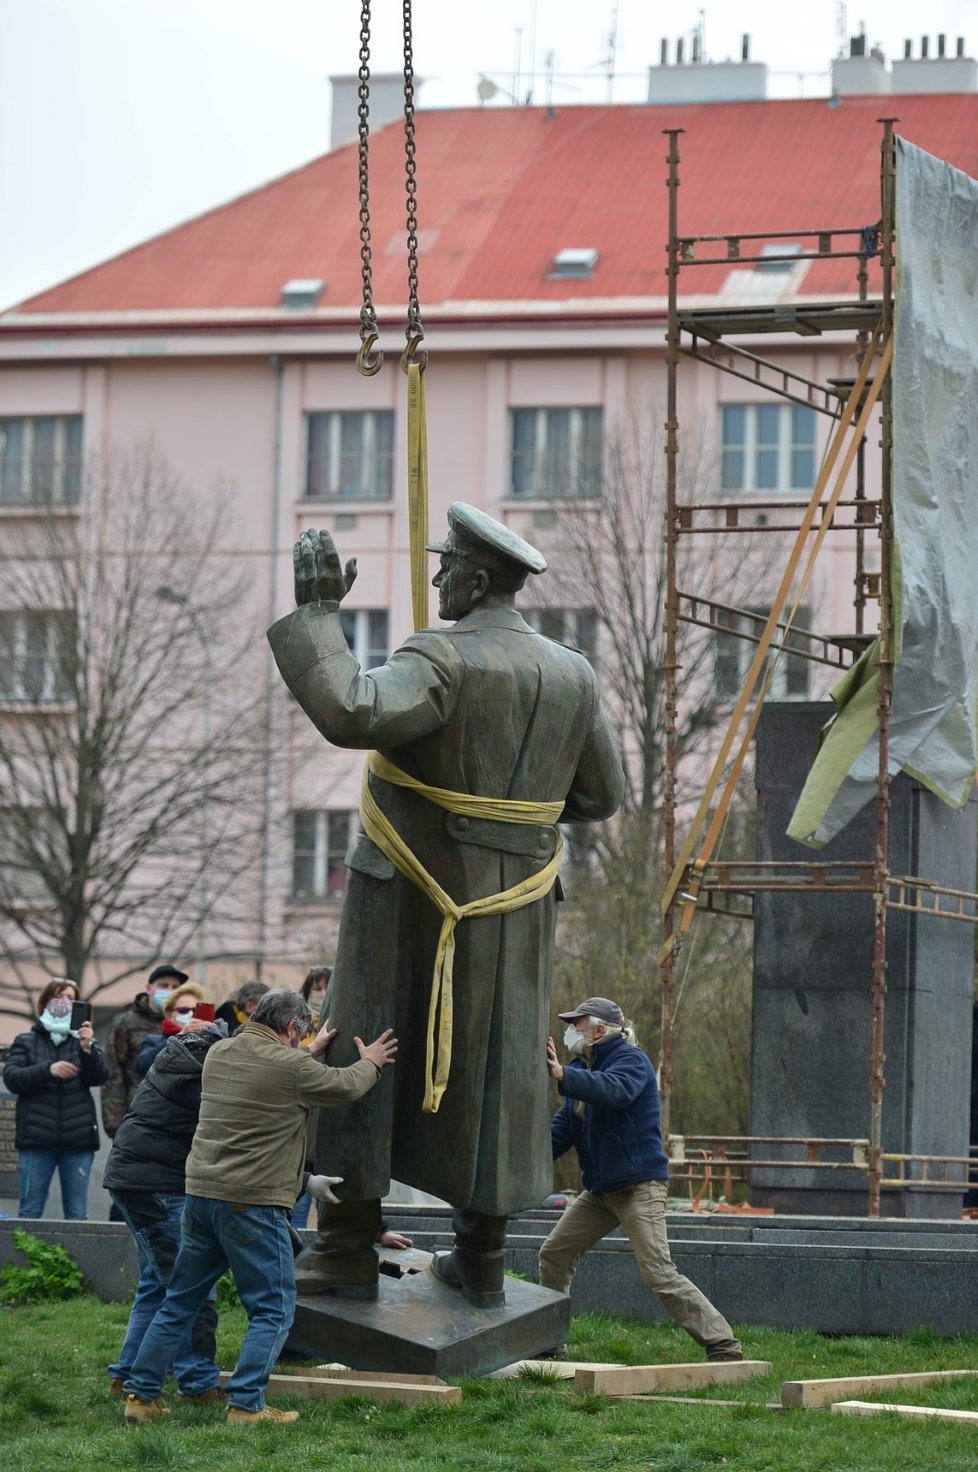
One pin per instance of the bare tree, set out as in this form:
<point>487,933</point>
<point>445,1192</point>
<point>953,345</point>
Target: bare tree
<point>609,556</point>
<point>132,745</point>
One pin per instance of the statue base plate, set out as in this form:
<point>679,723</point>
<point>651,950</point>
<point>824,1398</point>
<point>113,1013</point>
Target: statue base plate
<point>424,1327</point>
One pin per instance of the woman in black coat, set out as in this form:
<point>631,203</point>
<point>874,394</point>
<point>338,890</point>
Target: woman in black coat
<point>52,1071</point>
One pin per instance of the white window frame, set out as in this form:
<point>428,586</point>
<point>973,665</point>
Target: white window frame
<point>66,468</point>
<point>785,447</point>
<point>573,624</point>
<point>326,848</point>
<point>16,688</point>
<point>368,653</point>
<point>543,485</point>
<point>738,654</point>
<point>370,475</point>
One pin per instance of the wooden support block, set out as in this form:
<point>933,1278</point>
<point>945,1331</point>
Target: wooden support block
<point>639,1379</point>
<point>814,1393</point>
<point>379,1388</point>
<point>872,1408</point>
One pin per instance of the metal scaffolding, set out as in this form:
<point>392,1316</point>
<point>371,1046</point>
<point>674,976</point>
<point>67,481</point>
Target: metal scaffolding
<point>695,882</point>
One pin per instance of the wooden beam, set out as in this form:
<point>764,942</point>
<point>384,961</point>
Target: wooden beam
<point>814,1393</point>
<point>380,1388</point>
<point>343,1372</point>
<point>637,1379</point>
<point>871,1408</point>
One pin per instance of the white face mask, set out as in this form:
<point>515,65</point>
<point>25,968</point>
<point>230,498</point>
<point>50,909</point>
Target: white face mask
<point>182,1015</point>
<point>574,1040</point>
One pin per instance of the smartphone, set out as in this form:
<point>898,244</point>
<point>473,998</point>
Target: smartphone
<point>204,1011</point>
<point>80,1012</point>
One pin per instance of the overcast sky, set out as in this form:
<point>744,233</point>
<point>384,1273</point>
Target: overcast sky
<point>120,118</point>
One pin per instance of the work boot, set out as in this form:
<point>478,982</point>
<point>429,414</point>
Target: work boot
<point>478,1274</point>
<point>238,1416</point>
<point>342,1260</point>
<point>215,1396</point>
<point>145,1410</point>
<point>724,1356</point>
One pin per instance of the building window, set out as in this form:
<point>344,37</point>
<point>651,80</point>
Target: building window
<point>40,461</point>
<point>35,655</point>
<point>556,453</point>
<point>767,447</point>
<point>577,627</point>
<point>31,842</point>
<point>350,456</point>
<point>319,844</point>
<point>734,656</point>
<point>365,630</point>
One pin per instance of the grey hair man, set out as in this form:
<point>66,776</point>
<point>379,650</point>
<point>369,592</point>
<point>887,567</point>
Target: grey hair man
<point>243,1175</point>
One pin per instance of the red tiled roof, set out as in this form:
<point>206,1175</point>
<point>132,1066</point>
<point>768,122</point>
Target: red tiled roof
<point>500,191</point>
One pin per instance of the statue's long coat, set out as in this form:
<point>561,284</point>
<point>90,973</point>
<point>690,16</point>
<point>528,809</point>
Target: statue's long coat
<point>487,707</point>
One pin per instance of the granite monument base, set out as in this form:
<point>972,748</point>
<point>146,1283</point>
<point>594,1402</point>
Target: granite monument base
<point>423,1327</point>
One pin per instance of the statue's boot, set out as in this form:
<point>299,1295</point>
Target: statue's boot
<point>476,1262</point>
<point>343,1259</point>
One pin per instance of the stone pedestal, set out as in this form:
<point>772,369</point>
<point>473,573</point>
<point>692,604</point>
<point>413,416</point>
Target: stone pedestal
<point>812,1009</point>
<point>424,1327</point>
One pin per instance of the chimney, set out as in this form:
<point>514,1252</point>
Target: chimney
<point>745,48</point>
<point>386,103</point>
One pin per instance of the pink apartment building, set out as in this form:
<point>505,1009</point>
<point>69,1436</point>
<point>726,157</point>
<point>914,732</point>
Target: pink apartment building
<point>231,340</point>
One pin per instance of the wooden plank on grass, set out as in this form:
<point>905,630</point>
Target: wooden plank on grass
<point>814,1393</point>
<point>639,1379</point>
<point>874,1408</point>
<point>380,1388</point>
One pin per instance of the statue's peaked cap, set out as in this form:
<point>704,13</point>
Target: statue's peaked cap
<point>471,532</point>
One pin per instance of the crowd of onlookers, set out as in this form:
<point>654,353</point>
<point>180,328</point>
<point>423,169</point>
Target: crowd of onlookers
<point>54,1068</point>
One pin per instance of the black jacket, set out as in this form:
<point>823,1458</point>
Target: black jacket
<point>53,1113</point>
<point>150,1149</point>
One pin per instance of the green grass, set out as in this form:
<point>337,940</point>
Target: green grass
<point>55,1415</point>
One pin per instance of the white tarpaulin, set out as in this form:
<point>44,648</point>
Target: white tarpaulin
<point>935,520</point>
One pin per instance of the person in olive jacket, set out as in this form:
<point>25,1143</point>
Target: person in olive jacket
<point>53,1071</point>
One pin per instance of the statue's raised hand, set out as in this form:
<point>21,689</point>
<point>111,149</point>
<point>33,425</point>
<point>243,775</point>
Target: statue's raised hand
<point>318,575</point>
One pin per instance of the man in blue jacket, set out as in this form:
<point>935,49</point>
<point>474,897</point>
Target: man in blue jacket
<point>611,1116</point>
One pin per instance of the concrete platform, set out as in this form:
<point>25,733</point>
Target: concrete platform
<point>424,1327</point>
<point>836,1275</point>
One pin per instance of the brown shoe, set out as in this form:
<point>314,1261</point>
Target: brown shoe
<point>238,1416</point>
<point>145,1410</point>
<point>215,1396</point>
<point>115,1386</point>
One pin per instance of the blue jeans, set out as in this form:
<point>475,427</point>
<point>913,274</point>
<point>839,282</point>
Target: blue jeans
<point>154,1221</point>
<point>254,1243</point>
<point>36,1170</point>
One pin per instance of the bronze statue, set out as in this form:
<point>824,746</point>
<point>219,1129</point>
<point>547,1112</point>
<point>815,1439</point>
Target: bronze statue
<point>482,736</point>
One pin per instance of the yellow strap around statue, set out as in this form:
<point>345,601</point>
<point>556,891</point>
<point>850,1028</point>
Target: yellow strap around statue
<point>382,832</point>
<point>466,804</point>
<point>417,468</point>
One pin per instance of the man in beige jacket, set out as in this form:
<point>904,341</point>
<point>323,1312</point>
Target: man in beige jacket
<point>243,1175</point>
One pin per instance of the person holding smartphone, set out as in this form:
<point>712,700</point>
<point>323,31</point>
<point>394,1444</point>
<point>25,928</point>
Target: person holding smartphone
<point>53,1069</point>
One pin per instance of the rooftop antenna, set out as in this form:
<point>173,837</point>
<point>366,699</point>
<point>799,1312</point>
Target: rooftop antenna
<point>518,62</point>
<point>612,49</point>
<point>700,37</point>
<point>533,51</point>
<point>841,29</point>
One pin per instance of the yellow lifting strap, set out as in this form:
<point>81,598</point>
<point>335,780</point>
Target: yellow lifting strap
<point>417,469</point>
<point>382,832</point>
<point>865,409</point>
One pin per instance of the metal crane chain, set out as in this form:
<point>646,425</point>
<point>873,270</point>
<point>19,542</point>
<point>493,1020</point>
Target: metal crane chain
<point>368,317</point>
<point>413,331</point>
